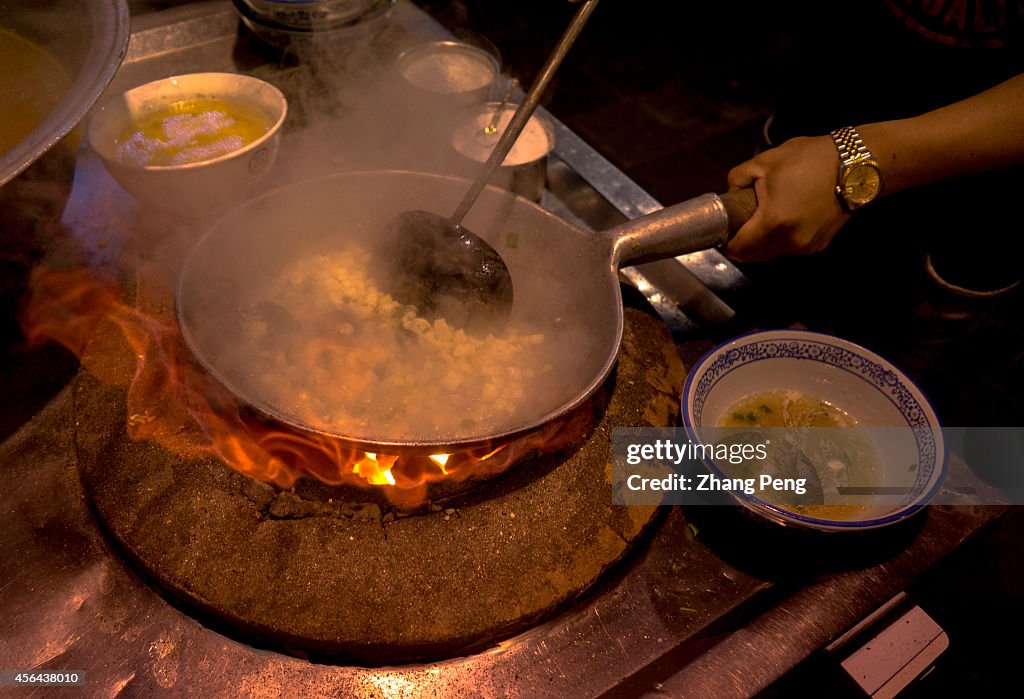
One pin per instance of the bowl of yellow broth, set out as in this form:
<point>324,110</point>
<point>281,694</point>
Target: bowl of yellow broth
<point>831,436</point>
<point>193,143</point>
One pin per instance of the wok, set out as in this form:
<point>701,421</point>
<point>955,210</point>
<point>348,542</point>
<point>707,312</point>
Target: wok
<point>565,287</point>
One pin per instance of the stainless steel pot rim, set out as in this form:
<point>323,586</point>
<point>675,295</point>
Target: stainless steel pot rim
<point>302,17</point>
<point>110,43</point>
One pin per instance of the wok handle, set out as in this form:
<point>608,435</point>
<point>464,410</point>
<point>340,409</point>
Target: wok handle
<point>703,222</point>
<point>740,205</point>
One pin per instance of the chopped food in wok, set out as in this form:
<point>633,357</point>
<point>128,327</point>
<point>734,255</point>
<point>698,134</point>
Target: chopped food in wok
<point>355,359</point>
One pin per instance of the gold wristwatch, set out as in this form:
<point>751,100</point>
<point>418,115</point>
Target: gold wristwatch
<point>860,178</point>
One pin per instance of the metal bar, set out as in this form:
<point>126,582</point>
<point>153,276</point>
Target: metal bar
<point>709,266</point>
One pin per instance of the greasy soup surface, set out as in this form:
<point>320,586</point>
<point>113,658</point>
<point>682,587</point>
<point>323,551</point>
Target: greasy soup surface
<point>31,85</point>
<point>355,361</point>
<point>190,131</point>
<point>803,446</point>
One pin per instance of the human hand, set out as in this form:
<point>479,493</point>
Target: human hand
<point>797,208</point>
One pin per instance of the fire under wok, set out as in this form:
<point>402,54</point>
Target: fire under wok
<point>278,303</point>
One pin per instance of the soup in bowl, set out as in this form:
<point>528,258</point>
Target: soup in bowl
<point>858,443</point>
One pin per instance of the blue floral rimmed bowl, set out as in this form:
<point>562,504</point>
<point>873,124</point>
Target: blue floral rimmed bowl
<point>857,381</point>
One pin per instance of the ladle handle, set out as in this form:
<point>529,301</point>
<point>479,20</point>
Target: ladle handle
<point>525,110</point>
<point>707,221</point>
<point>492,125</point>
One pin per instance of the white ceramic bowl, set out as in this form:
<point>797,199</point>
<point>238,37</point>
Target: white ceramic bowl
<point>196,187</point>
<point>899,418</point>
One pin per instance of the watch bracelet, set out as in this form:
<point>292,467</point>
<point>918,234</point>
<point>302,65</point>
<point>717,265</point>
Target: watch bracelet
<point>849,144</point>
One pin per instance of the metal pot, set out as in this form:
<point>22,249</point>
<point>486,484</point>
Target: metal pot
<point>565,283</point>
<point>89,39</point>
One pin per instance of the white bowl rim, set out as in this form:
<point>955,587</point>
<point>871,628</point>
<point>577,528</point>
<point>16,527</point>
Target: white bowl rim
<point>254,145</point>
<point>788,517</point>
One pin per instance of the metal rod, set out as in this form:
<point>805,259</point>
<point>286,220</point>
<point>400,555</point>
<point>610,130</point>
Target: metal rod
<point>525,111</point>
<point>492,125</point>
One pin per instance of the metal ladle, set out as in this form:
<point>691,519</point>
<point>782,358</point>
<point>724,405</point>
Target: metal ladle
<point>492,125</point>
<point>441,267</point>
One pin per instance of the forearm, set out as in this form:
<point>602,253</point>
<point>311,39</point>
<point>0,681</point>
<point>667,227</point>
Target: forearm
<point>983,132</point>
<point>798,211</point>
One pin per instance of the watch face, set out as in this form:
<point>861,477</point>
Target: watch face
<point>862,183</point>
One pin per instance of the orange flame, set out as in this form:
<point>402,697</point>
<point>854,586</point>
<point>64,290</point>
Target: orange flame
<point>171,400</point>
